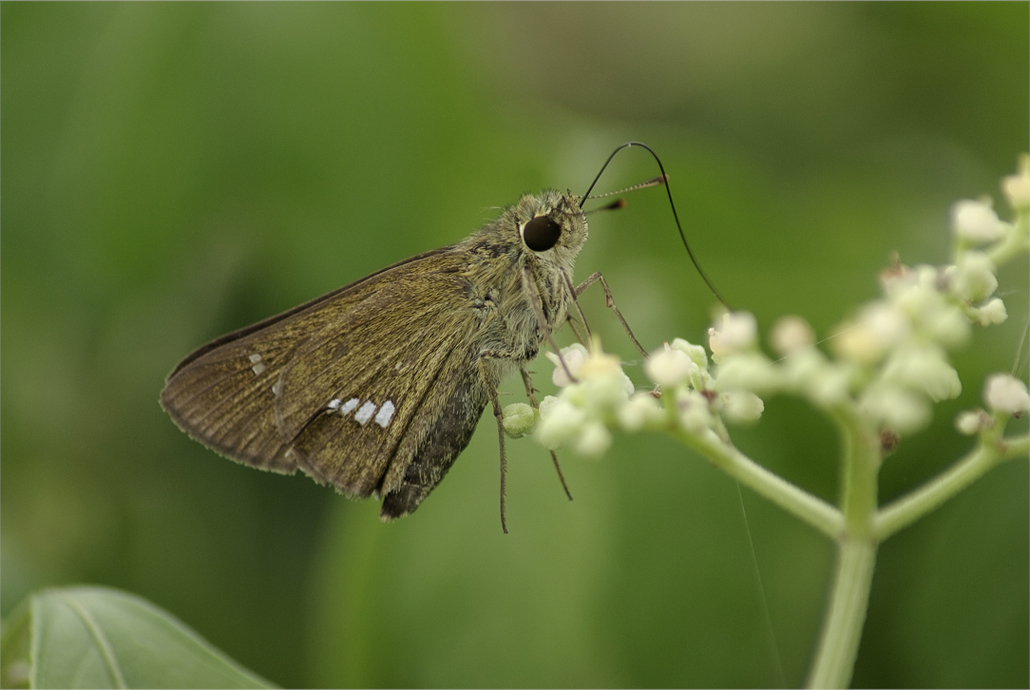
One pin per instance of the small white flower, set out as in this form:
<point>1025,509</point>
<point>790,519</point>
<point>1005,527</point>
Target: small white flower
<point>802,366</point>
<point>900,278</point>
<point>895,408</point>
<point>886,323</point>
<point>791,333</point>
<point>560,422</point>
<point>749,371</point>
<point>598,364</point>
<point>641,410</point>
<point>669,367</point>
<point>603,394</point>
<point>916,293</point>
<point>546,404</point>
<point>696,353</point>
<point>945,323</point>
<point>923,368</point>
<point>694,415</point>
<point>742,407</point>
<point>911,291</point>
<point>593,440</point>
<point>1017,187</point>
<point>823,382</point>
<point>603,385</point>
<point>974,279</point>
<point>574,355</point>
<point>1005,393</point>
<point>969,422</point>
<point>519,419</point>
<point>830,387</point>
<point>975,221</point>
<point>879,326</point>
<point>992,313</point>
<point>737,331</point>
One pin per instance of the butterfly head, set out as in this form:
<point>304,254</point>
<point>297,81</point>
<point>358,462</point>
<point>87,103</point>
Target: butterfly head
<point>551,227</point>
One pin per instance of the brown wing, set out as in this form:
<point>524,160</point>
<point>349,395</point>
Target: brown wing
<point>374,388</point>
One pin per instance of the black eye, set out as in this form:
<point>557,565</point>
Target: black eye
<point>541,233</point>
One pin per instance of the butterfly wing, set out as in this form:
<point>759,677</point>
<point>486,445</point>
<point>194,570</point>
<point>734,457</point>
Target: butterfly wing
<point>374,388</point>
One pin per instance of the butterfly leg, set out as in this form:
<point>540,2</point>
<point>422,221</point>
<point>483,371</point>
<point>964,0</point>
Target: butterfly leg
<point>527,379</point>
<point>495,402</point>
<point>610,301</point>
<point>579,311</point>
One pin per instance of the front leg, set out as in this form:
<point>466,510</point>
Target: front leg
<point>610,301</point>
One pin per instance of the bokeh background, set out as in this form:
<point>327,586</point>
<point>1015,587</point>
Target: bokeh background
<point>174,171</point>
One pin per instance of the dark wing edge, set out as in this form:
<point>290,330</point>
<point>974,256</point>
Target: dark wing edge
<point>272,320</point>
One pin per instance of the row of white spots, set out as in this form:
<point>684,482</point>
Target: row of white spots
<point>256,364</point>
<point>366,411</point>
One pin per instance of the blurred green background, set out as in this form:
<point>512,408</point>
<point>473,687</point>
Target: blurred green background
<point>174,171</point>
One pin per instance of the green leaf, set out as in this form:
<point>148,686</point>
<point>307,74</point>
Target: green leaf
<point>93,637</point>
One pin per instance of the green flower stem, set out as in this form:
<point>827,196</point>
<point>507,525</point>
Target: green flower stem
<point>861,465</point>
<point>1013,243</point>
<point>842,627</point>
<point>856,554</point>
<point>804,505</point>
<point>906,510</point>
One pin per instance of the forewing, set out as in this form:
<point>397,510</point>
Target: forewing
<point>332,386</point>
<point>382,380</point>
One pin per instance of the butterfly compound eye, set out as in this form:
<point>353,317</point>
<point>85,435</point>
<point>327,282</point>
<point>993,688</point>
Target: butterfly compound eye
<point>541,233</point>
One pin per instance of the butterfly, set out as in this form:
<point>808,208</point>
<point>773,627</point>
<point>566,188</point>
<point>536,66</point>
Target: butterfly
<point>377,387</point>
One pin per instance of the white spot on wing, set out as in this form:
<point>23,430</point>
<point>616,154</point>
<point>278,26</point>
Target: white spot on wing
<point>333,404</point>
<point>275,388</point>
<point>385,414</point>
<point>365,413</point>
<point>348,406</point>
<point>258,368</point>
<point>255,358</point>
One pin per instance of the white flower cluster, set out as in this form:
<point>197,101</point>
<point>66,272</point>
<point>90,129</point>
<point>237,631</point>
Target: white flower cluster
<point>601,396</point>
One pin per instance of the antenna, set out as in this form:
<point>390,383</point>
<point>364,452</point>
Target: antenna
<point>663,178</point>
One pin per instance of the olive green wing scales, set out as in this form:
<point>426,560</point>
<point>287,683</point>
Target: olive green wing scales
<point>373,388</point>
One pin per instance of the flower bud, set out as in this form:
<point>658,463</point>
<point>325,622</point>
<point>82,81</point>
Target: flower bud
<point>992,313</point>
<point>880,325</point>
<point>518,419</point>
<point>749,371</point>
<point>560,421</point>
<point>969,422</point>
<point>1017,187</point>
<point>974,277</point>
<point>593,440</point>
<point>574,355</point>
<point>975,222</point>
<point>694,415</point>
<point>923,368</point>
<point>1005,393</point>
<point>696,353</point>
<point>791,333</point>
<point>737,331</point>
<point>742,407</point>
<point>669,367</point>
<point>831,387</point>
<point>895,408</point>
<point>641,410</point>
